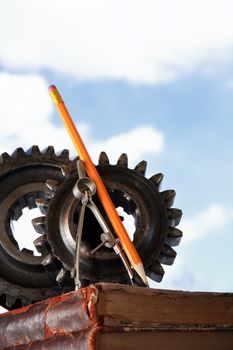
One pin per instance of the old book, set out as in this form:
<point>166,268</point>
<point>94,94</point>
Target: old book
<point>101,338</point>
<point>129,315</point>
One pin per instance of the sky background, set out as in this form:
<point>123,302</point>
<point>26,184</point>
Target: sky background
<point>153,79</point>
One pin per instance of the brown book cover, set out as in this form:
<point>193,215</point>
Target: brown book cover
<point>124,313</point>
<point>103,338</point>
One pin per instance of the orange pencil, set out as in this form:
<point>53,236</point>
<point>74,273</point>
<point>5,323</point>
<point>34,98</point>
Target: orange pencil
<point>105,199</point>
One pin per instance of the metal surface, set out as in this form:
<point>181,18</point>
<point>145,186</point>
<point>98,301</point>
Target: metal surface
<point>84,189</point>
<point>109,240</point>
<point>139,197</point>
<point>84,202</point>
<point>37,178</point>
<point>23,278</point>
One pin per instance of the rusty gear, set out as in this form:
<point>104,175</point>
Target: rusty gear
<point>154,221</point>
<point>23,277</point>
<point>45,179</point>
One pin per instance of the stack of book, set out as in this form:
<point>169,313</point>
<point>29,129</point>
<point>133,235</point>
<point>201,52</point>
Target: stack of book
<point>111,316</point>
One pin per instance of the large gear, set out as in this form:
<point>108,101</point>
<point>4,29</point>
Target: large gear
<point>154,220</point>
<point>23,277</point>
<point>46,179</point>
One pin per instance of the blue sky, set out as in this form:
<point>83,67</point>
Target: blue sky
<point>129,70</point>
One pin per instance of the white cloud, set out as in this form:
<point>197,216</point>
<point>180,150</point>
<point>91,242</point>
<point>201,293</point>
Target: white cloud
<point>136,142</point>
<point>184,274</point>
<point>148,41</point>
<point>213,219</point>
<point>26,109</point>
<point>187,276</point>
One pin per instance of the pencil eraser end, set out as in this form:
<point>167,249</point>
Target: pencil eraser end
<point>56,97</point>
<point>52,88</point>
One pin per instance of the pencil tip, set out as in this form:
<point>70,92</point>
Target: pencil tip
<point>139,268</point>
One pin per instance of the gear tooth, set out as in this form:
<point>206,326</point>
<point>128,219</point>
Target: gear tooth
<point>168,197</point>
<point>167,255</point>
<point>141,167</point>
<point>40,241</point>
<point>39,224</point>
<point>103,159</point>
<point>41,244</point>
<point>23,202</point>
<point>155,271</point>
<point>4,157</point>
<point>43,204</point>
<point>31,203</point>
<point>27,251</point>
<point>132,207</point>
<point>157,180</point>
<point>174,236</point>
<point>49,151</point>
<point>48,259</point>
<point>34,151</point>
<point>16,213</point>
<point>65,154</point>
<point>52,185</point>
<point>74,159</point>
<point>19,152</point>
<point>66,170</point>
<point>123,160</point>
<point>10,301</point>
<point>62,274</point>
<point>174,217</point>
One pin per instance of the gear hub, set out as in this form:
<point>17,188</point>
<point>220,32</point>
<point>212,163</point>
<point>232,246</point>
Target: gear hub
<point>154,231</point>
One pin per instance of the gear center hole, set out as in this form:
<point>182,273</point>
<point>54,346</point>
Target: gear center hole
<point>128,222</point>
<point>127,210</point>
<point>23,231</point>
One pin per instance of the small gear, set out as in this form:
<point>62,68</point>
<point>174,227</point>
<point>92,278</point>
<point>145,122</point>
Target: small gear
<point>155,223</point>
<point>23,276</point>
